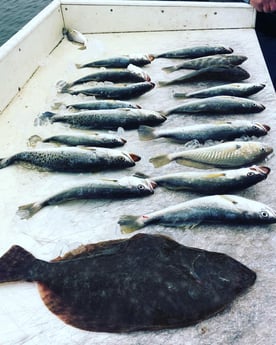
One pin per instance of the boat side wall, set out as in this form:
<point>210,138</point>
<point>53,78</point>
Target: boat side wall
<point>135,16</point>
<point>27,49</point>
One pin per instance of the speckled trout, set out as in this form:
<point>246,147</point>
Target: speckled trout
<point>233,154</point>
<point>209,209</point>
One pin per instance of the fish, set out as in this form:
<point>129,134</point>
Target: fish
<point>98,105</point>
<point>213,73</point>
<point>222,130</point>
<point>194,52</point>
<point>75,36</point>
<point>73,159</point>
<point>225,209</point>
<point>120,61</point>
<point>207,61</point>
<point>77,139</point>
<point>125,187</point>
<point>112,91</point>
<point>105,119</point>
<point>233,89</point>
<point>132,74</point>
<point>232,154</point>
<point>214,182</point>
<point>146,282</point>
<point>218,105</point>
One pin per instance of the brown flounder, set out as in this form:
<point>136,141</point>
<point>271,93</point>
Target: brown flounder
<point>147,282</point>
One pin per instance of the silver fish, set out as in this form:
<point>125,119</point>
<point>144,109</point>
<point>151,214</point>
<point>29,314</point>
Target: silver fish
<point>213,73</point>
<point>75,36</point>
<point>233,89</point>
<point>233,154</point>
<point>218,105</point>
<point>215,182</point>
<point>207,61</point>
<point>72,159</point>
<point>126,187</point>
<point>231,209</point>
<point>77,139</point>
<point>106,119</point>
<point>223,130</point>
<point>112,91</point>
<point>98,105</point>
<point>131,74</point>
<point>194,52</point>
<point>119,61</point>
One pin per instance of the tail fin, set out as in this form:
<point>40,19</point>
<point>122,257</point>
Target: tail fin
<point>78,65</point>
<point>44,117</point>
<point>163,83</point>
<point>159,161</point>
<point>180,95</point>
<point>62,86</point>
<point>129,223</point>
<point>146,133</point>
<point>170,69</point>
<point>15,265</point>
<point>27,211</point>
<point>33,140</point>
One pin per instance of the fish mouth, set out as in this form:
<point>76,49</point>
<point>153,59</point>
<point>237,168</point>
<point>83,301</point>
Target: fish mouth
<point>263,170</point>
<point>153,184</point>
<point>123,141</point>
<point>263,127</point>
<point>135,157</point>
<point>151,57</point>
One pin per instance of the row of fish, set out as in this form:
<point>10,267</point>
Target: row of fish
<point>147,282</point>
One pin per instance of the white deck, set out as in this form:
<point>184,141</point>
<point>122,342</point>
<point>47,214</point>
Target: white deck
<point>23,317</point>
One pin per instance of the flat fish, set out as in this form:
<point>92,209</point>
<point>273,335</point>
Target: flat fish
<point>218,105</point>
<point>233,89</point>
<point>225,209</point>
<point>207,61</point>
<point>112,91</point>
<point>112,189</point>
<point>213,73</point>
<point>119,61</point>
<point>224,130</point>
<point>73,159</point>
<point>106,118</point>
<point>147,282</point>
<point>194,52</point>
<point>232,154</point>
<point>214,182</point>
<point>77,139</point>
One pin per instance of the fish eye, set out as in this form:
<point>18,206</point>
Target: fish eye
<point>141,187</point>
<point>264,214</point>
<point>121,158</point>
<point>263,149</point>
<point>250,173</point>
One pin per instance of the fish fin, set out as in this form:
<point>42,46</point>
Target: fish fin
<point>46,116</point>
<point>27,211</point>
<point>15,264</point>
<point>190,226</point>
<point>62,85</point>
<point>228,198</point>
<point>180,95</point>
<point>78,65</point>
<point>215,175</point>
<point>130,223</point>
<point>33,140</point>
<point>193,164</point>
<point>170,69</point>
<point>146,133</point>
<point>140,175</point>
<point>159,161</point>
<point>83,47</point>
<point>163,83</point>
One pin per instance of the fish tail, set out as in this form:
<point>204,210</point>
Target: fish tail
<point>146,133</point>
<point>163,83</point>
<point>46,116</point>
<point>33,140</point>
<point>16,265</point>
<point>62,86</point>
<point>28,210</point>
<point>170,69</point>
<point>180,95</point>
<point>130,223</point>
<point>78,65</point>
<point>159,161</point>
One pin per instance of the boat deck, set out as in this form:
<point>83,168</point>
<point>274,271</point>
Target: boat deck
<point>57,229</point>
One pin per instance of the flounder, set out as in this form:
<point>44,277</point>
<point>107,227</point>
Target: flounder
<point>147,282</point>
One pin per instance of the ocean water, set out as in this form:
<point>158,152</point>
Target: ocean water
<point>14,14</point>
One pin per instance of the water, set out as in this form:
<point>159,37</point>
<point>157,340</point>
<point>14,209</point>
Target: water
<point>14,14</point>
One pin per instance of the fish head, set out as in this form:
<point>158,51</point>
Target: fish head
<point>265,149</point>
<point>139,186</point>
<point>260,129</point>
